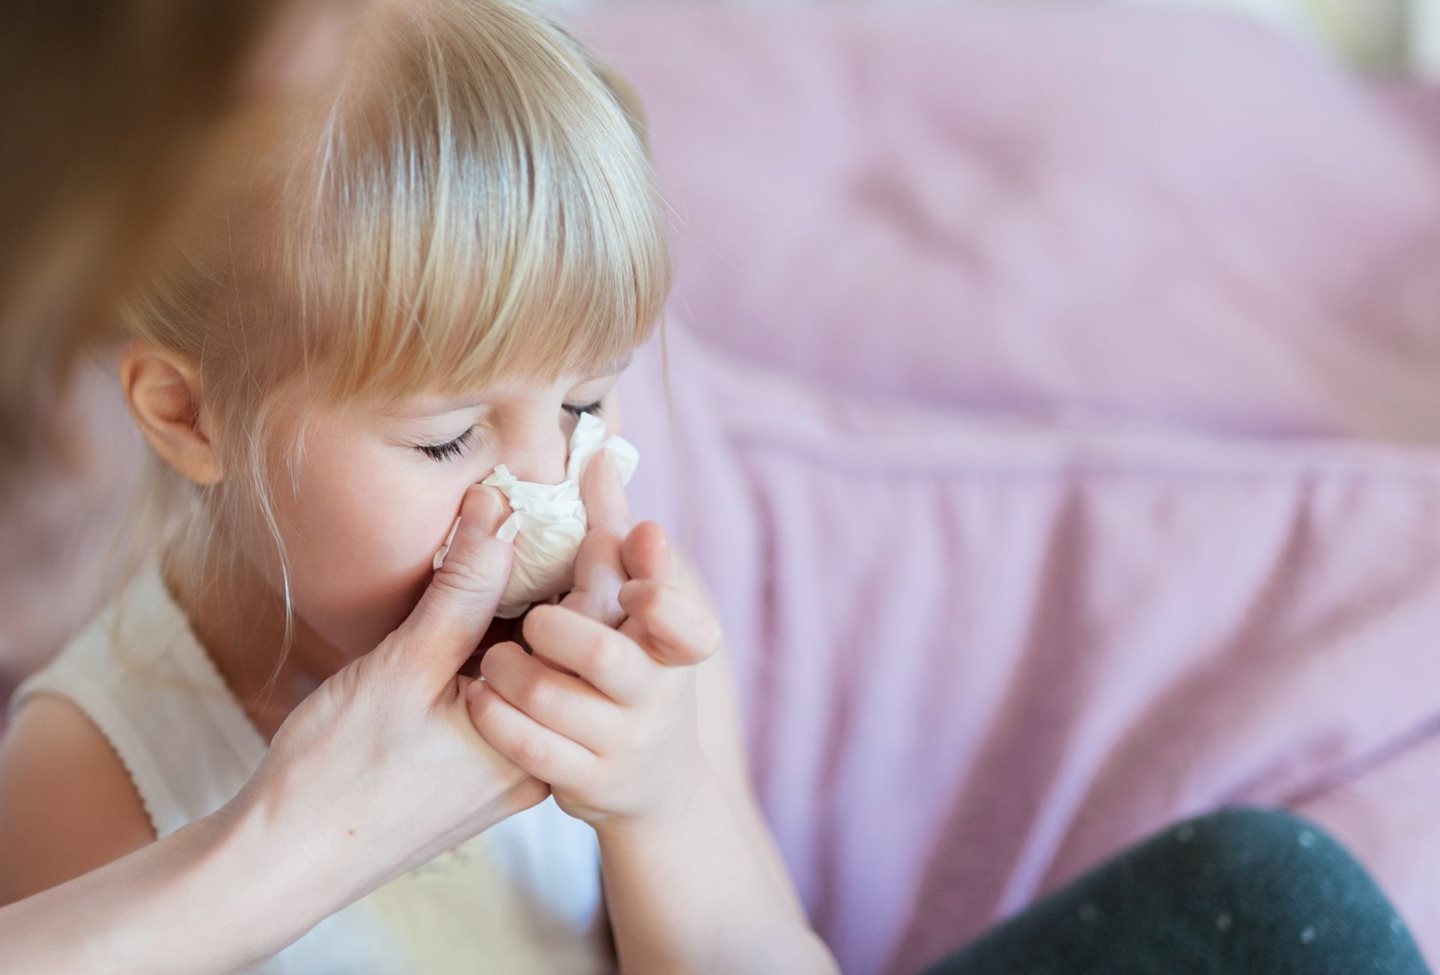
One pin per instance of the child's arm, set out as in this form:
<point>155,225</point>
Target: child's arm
<point>651,755</point>
<point>67,805</point>
<point>220,895</point>
<point>714,875</point>
<point>189,903</point>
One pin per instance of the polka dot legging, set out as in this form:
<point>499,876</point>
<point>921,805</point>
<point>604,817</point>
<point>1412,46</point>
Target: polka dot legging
<point>1238,892</point>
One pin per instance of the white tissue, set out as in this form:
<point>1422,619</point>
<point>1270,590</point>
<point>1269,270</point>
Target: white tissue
<point>547,521</point>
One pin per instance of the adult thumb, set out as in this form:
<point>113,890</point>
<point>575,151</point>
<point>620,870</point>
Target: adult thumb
<point>460,602</point>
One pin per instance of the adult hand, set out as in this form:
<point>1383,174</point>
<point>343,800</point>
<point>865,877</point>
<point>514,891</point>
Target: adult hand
<point>381,766</point>
<point>375,773</point>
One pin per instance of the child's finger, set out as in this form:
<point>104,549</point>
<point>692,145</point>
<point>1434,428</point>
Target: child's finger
<point>598,577</point>
<point>599,568</point>
<point>604,496</point>
<point>562,703</point>
<point>645,553</point>
<point>607,659</point>
<point>676,629</point>
<point>536,750</point>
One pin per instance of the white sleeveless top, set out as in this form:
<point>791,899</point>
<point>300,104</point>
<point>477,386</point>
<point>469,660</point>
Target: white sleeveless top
<point>524,897</point>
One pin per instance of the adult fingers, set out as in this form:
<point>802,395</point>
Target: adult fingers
<point>451,617</point>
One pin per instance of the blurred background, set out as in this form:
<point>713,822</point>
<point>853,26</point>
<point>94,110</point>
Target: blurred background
<point>1389,35</point>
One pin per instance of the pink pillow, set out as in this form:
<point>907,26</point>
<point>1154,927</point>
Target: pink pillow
<point>1085,212</point>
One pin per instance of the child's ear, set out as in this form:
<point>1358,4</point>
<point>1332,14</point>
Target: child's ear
<point>163,392</point>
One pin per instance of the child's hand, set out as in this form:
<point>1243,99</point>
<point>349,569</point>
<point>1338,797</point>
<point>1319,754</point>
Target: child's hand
<point>611,584</point>
<point>605,716</point>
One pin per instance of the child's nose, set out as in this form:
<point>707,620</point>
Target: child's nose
<point>538,453</point>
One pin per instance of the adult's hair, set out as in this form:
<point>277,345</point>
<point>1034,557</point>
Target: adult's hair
<point>108,108</point>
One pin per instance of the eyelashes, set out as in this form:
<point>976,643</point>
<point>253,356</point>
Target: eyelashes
<point>452,449</point>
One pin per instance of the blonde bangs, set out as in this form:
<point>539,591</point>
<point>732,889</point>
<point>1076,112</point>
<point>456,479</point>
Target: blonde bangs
<point>481,205</point>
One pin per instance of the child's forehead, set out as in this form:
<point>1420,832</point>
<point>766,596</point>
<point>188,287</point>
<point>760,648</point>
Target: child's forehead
<point>450,396</point>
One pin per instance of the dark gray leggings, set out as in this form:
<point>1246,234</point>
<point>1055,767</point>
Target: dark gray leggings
<point>1238,892</point>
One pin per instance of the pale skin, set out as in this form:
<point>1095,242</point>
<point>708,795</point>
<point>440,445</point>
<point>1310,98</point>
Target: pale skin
<point>319,821</point>
<point>636,729</point>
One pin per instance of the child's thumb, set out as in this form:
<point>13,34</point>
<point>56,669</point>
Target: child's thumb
<point>459,604</point>
<point>645,552</point>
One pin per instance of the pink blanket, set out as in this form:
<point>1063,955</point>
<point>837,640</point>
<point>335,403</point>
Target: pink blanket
<point>977,658</point>
<point>1051,477</point>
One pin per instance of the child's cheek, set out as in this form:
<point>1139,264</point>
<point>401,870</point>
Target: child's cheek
<point>364,558</point>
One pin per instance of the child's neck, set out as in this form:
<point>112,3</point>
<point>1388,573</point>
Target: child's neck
<point>239,620</point>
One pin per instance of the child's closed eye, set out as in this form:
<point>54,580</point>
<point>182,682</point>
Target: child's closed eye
<point>452,449</point>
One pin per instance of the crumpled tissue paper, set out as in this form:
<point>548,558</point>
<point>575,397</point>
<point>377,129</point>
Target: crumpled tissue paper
<point>548,521</point>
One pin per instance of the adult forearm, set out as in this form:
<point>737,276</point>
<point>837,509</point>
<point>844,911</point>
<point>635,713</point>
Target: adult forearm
<point>216,896</point>
<point>692,895</point>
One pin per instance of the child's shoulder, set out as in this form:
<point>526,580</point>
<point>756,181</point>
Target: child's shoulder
<point>67,804</point>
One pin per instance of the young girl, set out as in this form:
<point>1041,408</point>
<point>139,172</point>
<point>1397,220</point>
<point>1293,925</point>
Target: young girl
<point>440,270</point>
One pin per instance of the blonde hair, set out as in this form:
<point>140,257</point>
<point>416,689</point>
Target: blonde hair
<point>476,200</point>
